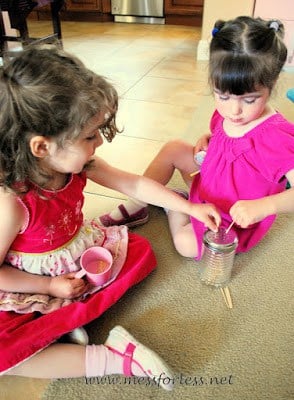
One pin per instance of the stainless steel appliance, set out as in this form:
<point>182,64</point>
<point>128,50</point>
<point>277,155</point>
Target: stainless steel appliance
<point>138,11</point>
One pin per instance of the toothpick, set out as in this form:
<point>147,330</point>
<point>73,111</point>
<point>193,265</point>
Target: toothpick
<point>224,296</point>
<point>227,296</point>
<point>195,172</point>
<point>229,228</point>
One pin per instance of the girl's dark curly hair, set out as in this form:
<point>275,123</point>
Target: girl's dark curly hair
<point>45,91</point>
<point>246,53</point>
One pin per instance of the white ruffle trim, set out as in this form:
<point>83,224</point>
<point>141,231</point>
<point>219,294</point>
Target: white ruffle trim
<point>64,260</point>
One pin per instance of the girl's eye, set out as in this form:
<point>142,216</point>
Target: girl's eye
<point>92,137</point>
<point>249,100</point>
<point>223,97</point>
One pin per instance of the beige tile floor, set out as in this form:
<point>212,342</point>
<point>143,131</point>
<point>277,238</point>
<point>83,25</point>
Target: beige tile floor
<point>161,86</point>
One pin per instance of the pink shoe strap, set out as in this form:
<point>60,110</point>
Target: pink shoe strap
<point>128,359</point>
<point>124,211</point>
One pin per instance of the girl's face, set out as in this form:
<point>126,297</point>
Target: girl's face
<point>73,157</point>
<point>241,110</point>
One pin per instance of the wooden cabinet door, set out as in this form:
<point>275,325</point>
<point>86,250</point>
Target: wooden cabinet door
<point>106,6</point>
<point>80,10</point>
<point>84,5</point>
<point>183,6</point>
<point>183,12</point>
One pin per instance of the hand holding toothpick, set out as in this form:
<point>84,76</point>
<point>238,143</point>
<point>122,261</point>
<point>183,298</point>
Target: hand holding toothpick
<point>199,158</point>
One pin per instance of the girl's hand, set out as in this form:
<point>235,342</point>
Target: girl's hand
<point>67,286</point>
<point>202,143</point>
<point>208,214</point>
<point>248,212</point>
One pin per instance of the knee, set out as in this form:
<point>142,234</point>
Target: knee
<point>175,147</point>
<point>185,246</point>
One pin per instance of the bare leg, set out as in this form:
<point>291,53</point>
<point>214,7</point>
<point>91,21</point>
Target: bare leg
<point>174,155</point>
<point>60,360</point>
<point>120,354</point>
<point>182,234</point>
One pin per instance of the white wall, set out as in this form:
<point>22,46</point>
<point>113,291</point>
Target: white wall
<point>223,9</point>
<point>284,11</point>
<point>219,9</point>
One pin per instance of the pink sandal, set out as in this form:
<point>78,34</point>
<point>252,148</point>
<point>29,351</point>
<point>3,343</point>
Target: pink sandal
<point>136,219</point>
<point>123,343</point>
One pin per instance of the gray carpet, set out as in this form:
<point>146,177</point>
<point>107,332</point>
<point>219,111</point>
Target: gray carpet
<point>241,354</point>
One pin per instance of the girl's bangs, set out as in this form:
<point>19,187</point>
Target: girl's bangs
<point>234,75</point>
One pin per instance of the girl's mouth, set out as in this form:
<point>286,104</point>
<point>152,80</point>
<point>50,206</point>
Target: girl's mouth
<point>236,120</point>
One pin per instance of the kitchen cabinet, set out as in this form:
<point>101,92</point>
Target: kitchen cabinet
<point>88,5</point>
<point>177,12</point>
<point>80,5</point>
<point>81,10</point>
<point>183,12</point>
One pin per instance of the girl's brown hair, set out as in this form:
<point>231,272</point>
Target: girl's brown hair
<point>246,53</point>
<point>45,91</point>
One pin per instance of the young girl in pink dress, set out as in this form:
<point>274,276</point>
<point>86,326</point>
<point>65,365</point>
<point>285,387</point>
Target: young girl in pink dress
<point>250,155</point>
<point>54,113</point>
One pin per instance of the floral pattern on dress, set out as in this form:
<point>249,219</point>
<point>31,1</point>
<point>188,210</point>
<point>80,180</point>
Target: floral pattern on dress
<point>49,235</point>
<point>63,260</point>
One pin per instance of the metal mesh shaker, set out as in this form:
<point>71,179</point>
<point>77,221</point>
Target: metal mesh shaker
<point>218,257</point>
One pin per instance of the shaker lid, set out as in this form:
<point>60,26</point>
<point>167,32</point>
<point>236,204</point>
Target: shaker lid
<point>221,240</point>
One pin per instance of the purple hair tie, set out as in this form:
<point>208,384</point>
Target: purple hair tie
<point>214,31</point>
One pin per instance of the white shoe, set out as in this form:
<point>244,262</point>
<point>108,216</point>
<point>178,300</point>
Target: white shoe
<point>123,343</point>
<point>78,336</point>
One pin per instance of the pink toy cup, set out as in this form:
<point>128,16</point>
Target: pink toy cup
<point>96,264</point>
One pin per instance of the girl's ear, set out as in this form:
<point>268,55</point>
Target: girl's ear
<point>39,146</point>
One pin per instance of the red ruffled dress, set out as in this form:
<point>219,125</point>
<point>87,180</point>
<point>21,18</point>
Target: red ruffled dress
<point>51,243</point>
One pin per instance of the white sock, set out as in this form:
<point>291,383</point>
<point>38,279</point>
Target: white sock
<point>100,361</point>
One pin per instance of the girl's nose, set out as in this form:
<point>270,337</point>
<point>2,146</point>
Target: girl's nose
<point>99,140</point>
<point>236,108</point>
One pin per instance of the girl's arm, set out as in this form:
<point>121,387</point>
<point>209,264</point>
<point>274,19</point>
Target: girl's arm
<point>12,219</point>
<point>64,286</point>
<point>151,192</point>
<point>247,212</point>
